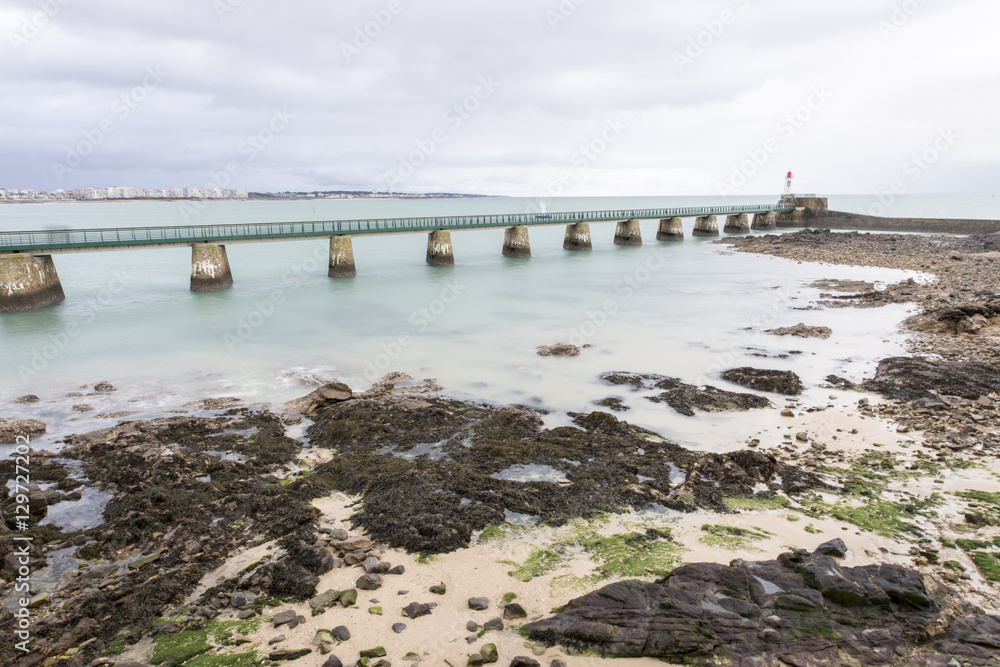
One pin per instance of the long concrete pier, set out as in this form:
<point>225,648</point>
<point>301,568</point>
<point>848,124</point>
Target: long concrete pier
<point>28,278</point>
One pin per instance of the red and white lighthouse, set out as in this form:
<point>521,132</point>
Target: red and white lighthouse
<point>788,184</point>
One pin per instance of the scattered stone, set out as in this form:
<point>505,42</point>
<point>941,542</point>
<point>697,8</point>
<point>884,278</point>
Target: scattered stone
<point>323,601</point>
<point>349,598</point>
<point>417,609</point>
<point>26,399</point>
<point>377,652</point>
<point>835,547</point>
<point>513,611</point>
<point>472,626</point>
<point>399,569</point>
<point>398,627</point>
<point>440,589</point>
<point>341,633</point>
<point>369,582</point>
<point>333,661</point>
<point>479,604</point>
<point>277,639</point>
<point>323,638</point>
<point>284,618</point>
<point>104,387</point>
<point>375,611</point>
<point>489,653</point>
<point>787,413</point>
<point>493,624</point>
<point>523,661</point>
<point>289,655</point>
<point>83,407</point>
<point>557,663</point>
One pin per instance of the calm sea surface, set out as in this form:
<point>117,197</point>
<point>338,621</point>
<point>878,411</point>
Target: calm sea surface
<point>687,310</point>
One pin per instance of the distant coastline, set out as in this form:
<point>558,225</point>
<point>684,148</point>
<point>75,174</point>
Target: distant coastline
<point>253,196</point>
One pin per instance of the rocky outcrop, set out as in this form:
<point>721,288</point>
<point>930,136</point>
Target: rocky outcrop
<point>913,378</point>
<point>802,331</point>
<point>802,609</point>
<point>312,404</point>
<point>686,398</point>
<point>559,350</point>
<point>776,382</point>
<point>26,428</point>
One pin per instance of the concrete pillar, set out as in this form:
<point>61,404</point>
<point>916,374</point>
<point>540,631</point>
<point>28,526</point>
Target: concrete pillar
<point>210,268</point>
<point>671,229</point>
<point>738,224</point>
<point>794,218</point>
<point>516,242</point>
<point>28,282</point>
<point>439,250</point>
<point>706,226</point>
<point>628,233</point>
<point>764,221</point>
<point>342,258</point>
<point>578,237</point>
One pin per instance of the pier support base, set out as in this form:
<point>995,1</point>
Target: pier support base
<point>796,218</point>
<point>439,250</point>
<point>578,237</point>
<point>671,229</point>
<point>628,233</point>
<point>210,268</point>
<point>764,221</point>
<point>342,258</point>
<point>516,242</point>
<point>706,226</point>
<point>28,282</point>
<point>737,224</point>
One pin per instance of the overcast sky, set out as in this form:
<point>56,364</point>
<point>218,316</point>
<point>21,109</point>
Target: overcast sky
<point>511,97</point>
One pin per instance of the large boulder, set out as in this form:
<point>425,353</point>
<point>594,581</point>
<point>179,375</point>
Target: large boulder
<point>313,403</point>
<point>801,609</point>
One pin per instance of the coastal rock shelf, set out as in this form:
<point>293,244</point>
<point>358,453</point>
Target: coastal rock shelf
<point>801,609</point>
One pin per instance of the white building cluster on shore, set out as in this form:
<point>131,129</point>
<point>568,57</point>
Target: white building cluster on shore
<point>88,194</point>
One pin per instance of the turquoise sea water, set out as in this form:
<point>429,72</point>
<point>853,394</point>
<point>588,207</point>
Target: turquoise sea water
<point>687,310</point>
